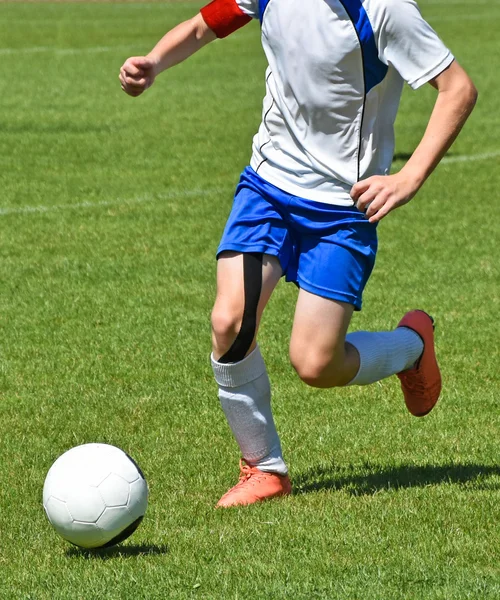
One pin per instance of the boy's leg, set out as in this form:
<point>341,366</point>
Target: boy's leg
<point>318,350</point>
<point>245,283</point>
<point>324,356</point>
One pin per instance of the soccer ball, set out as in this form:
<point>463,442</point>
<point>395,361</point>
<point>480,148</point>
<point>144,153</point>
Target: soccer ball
<point>95,496</point>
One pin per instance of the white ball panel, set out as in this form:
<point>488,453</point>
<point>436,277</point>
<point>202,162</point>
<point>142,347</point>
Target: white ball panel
<point>93,473</point>
<point>58,514</point>
<point>87,463</point>
<point>48,487</point>
<point>86,535</point>
<point>85,504</point>
<point>114,520</point>
<point>138,499</point>
<point>122,464</point>
<point>114,490</point>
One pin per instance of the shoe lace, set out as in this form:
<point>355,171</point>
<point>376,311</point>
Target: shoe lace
<point>247,472</point>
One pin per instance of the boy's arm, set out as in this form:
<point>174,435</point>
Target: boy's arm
<point>378,195</point>
<point>139,72</point>
<point>215,20</point>
<point>181,42</point>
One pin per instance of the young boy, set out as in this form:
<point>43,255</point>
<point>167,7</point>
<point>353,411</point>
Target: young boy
<point>308,205</point>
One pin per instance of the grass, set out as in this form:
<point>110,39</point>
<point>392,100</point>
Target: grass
<point>110,216</point>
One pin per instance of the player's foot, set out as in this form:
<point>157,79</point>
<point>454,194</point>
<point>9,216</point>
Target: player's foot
<point>421,384</point>
<point>255,486</point>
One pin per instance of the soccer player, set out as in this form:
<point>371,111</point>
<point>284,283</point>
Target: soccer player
<point>308,205</point>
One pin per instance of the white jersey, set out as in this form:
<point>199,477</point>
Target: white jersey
<point>333,86</point>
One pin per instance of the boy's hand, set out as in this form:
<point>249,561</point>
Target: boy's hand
<point>378,195</point>
<point>137,75</point>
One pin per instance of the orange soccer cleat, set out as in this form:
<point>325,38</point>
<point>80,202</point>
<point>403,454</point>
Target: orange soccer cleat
<point>421,384</point>
<point>255,486</point>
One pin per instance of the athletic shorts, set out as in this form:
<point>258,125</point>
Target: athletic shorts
<point>325,249</point>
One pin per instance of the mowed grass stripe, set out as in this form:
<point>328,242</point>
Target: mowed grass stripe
<point>172,195</point>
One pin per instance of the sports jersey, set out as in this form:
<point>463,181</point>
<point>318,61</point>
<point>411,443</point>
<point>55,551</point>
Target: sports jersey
<point>333,86</point>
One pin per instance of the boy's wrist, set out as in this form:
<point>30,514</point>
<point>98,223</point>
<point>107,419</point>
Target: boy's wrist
<point>416,175</point>
<point>156,60</point>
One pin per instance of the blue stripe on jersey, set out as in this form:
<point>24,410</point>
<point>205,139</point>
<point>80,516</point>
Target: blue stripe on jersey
<point>374,68</point>
<point>262,9</point>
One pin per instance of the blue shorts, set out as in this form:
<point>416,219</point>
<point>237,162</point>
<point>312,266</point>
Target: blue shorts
<point>325,249</point>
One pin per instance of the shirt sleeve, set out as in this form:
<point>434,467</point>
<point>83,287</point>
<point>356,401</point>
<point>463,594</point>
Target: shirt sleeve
<point>408,43</point>
<point>226,16</point>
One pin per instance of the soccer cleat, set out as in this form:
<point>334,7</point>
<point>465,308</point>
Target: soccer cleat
<point>421,384</point>
<point>255,486</point>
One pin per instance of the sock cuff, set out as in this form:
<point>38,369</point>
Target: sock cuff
<point>233,375</point>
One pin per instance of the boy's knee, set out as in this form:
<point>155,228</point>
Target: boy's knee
<point>318,370</point>
<point>226,323</point>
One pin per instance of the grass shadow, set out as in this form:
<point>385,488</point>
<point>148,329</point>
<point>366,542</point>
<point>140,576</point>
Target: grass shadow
<point>127,551</point>
<point>369,479</point>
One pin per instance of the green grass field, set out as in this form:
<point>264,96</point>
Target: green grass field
<point>111,211</point>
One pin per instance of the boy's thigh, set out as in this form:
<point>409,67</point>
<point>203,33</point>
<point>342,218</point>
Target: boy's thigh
<point>243,276</point>
<point>245,283</point>
<point>331,275</point>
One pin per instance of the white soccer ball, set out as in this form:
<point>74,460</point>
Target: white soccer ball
<point>95,496</point>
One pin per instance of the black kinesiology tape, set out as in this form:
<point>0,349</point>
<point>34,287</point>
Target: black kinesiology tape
<point>252,276</point>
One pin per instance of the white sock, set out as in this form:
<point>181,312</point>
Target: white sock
<point>384,353</point>
<point>245,396</point>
